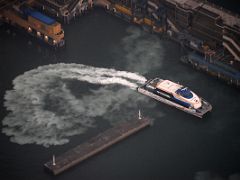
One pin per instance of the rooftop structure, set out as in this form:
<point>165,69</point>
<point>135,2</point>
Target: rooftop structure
<point>39,16</point>
<point>168,86</point>
<point>227,17</point>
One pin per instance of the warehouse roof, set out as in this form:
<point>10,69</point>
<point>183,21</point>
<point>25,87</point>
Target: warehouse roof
<point>39,16</point>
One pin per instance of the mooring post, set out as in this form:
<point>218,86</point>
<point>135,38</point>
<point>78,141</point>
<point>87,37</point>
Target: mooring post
<point>53,160</point>
<point>139,114</point>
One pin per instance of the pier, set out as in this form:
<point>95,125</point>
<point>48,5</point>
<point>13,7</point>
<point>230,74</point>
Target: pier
<point>95,145</point>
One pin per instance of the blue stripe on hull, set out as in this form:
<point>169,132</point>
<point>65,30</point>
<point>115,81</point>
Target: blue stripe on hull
<point>171,98</point>
<point>185,104</point>
<point>167,96</point>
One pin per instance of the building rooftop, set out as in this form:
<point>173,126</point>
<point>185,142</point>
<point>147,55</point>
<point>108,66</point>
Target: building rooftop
<point>208,13</point>
<point>43,18</point>
<point>228,18</point>
<point>39,16</point>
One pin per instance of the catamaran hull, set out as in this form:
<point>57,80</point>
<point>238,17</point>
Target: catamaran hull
<point>206,107</point>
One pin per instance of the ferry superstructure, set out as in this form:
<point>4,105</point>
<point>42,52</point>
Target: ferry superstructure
<point>175,95</point>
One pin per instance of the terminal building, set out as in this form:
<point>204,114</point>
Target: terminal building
<point>64,9</point>
<point>210,32</point>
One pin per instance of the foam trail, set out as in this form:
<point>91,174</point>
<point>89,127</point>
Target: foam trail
<point>96,75</point>
<point>44,110</point>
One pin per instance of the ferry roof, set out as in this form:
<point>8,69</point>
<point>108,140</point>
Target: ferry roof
<point>39,16</point>
<point>229,18</point>
<point>168,86</point>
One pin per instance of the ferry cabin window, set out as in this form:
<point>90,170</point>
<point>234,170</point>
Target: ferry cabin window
<point>185,92</point>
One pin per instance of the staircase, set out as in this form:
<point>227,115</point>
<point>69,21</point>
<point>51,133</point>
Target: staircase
<point>232,46</point>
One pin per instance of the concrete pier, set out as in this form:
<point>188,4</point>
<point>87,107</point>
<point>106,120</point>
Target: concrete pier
<point>95,145</point>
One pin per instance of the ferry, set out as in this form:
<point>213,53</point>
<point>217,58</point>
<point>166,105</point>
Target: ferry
<point>175,95</point>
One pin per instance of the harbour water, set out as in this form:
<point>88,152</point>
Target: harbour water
<point>177,146</point>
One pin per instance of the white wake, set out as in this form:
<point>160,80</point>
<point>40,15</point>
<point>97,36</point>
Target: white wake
<point>43,109</point>
<point>47,105</point>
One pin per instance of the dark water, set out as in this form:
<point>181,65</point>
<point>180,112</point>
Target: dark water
<point>178,146</point>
